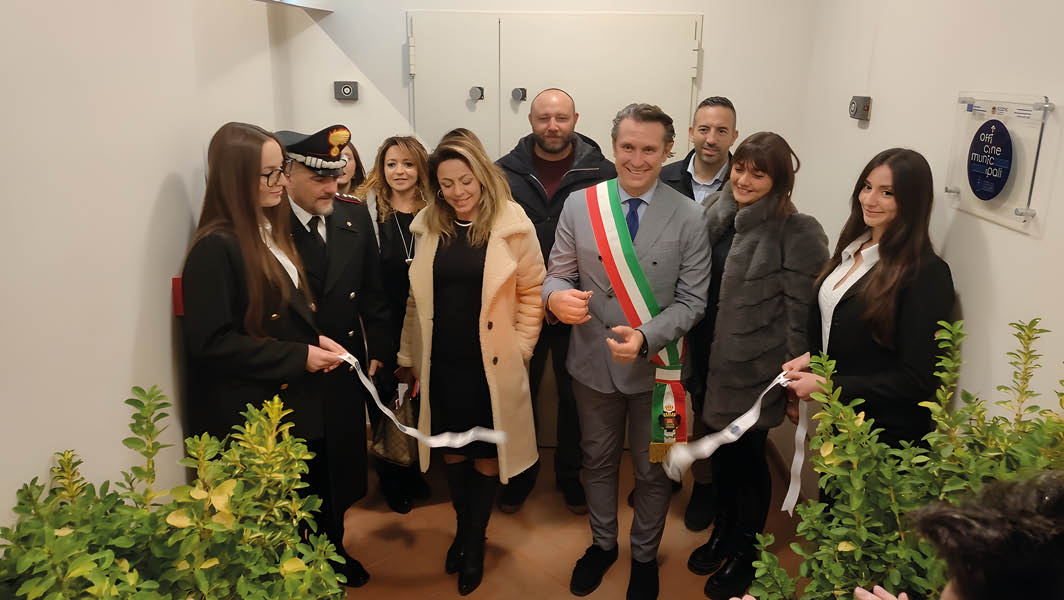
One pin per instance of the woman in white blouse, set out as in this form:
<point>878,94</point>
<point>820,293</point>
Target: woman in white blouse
<point>879,300</point>
<point>248,328</point>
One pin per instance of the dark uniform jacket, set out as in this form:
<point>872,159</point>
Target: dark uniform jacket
<point>590,167</point>
<point>893,380</point>
<point>347,293</point>
<point>676,176</point>
<point>227,368</point>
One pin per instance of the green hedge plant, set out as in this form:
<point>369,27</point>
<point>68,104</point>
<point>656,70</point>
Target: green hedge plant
<point>234,533</point>
<point>863,538</point>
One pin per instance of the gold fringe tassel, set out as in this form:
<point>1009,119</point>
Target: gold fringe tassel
<point>659,450</point>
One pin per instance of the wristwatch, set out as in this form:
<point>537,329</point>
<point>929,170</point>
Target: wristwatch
<point>644,350</point>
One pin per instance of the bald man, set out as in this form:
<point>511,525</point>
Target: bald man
<point>543,169</point>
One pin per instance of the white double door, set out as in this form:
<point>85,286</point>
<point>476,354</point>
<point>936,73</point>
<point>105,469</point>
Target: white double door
<point>605,61</point>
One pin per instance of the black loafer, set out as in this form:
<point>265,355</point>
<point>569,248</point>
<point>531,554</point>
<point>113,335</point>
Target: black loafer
<point>588,572</point>
<point>643,581</point>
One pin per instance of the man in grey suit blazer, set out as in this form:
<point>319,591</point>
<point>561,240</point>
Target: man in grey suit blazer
<point>609,361</point>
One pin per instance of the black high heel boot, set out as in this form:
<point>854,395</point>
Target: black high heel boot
<point>457,480</point>
<point>482,491</point>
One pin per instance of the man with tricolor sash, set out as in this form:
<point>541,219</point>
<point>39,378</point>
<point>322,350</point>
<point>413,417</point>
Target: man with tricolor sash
<point>629,270</point>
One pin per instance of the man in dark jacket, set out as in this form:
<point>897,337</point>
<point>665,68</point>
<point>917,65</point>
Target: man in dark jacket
<point>543,169</point>
<point>338,249</point>
<point>707,166</point>
<point>698,176</point>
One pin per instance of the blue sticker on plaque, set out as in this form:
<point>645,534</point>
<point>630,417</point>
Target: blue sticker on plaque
<point>990,160</point>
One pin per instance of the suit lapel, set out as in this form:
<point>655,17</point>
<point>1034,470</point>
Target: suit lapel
<point>341,247</point>
<point>655,220</point>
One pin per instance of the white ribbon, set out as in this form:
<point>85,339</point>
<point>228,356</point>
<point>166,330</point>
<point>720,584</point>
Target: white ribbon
<point>791,499</point>
<point>441,440</point>
<point>681,456</point>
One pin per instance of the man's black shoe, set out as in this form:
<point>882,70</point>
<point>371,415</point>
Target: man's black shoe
<point>588,572</point>
<point>643,582</point>
<point>573,492</point>
<point>701,508</point>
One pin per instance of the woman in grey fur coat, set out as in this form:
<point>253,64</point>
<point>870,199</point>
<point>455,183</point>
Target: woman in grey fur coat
<point>766,257</point>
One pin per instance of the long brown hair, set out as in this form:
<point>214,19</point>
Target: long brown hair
<point>903,244</point>
<point>769,153</point>
<point>231,204</point>
<point>357,178</point>
<point>378,184</point>
<point>494,190</point>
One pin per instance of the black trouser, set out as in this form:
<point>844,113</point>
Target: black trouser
<point>330,519</point>
<point>555,340</point>
<point>740,472</point>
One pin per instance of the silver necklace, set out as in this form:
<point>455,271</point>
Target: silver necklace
<point>408,250</point>
<point>461,224</point>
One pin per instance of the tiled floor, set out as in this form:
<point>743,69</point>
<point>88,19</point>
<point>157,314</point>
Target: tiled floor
<point>530,554</point>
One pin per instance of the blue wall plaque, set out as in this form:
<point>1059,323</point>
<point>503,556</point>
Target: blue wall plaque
<point>989,160</point>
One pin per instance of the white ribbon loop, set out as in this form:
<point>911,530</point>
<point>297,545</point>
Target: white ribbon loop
<point>682,455</point>
<point>442,440</point>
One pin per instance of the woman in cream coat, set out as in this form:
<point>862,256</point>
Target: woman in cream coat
<point>473,317</point>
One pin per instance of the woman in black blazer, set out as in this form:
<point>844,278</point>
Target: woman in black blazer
<point>879,300</point>
<point>248,327</point>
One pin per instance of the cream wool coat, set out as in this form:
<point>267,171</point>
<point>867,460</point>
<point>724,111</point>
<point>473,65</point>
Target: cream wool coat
<point>511,315</point>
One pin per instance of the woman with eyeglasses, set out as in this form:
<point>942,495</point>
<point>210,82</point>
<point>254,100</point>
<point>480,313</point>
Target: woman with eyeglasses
<point>248,327</point>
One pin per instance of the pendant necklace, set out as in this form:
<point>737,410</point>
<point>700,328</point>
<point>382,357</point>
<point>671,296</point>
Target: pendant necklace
<point>408,250</point>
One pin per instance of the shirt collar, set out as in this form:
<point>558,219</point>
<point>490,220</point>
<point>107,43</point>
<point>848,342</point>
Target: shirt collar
<point>646,197</point>
<point>869,254</point>
<point>301,214</point>
<point>717,179</point>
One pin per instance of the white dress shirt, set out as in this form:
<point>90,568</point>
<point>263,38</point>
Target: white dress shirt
<point>705,188</point>
<point>267,237</point>
<point>304,218</point>
<point>831,291</point>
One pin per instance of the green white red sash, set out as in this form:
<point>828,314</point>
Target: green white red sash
<point>668,418</point>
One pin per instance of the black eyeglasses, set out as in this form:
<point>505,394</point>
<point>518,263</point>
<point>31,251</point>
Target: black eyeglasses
<point>274,176</point>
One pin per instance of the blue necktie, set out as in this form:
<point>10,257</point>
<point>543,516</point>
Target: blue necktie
<point>633,216</point>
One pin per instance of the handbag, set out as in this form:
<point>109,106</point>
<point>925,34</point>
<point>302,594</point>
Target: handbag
<point>391,444</point>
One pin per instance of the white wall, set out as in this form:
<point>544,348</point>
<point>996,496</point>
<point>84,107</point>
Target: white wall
<point>758,77</point>
<point>306,61</point>
<point>107,108</point>
<point>913,58</point>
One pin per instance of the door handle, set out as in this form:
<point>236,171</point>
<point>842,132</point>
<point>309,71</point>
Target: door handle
<point>476,93</point>
<point>519,94</point>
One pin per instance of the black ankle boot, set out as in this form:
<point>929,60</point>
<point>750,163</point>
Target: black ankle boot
<point>736,575</point>
<point>482,490</point>
<point>458,481</point>
<point>710,556</point>
<point>395,494</point>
